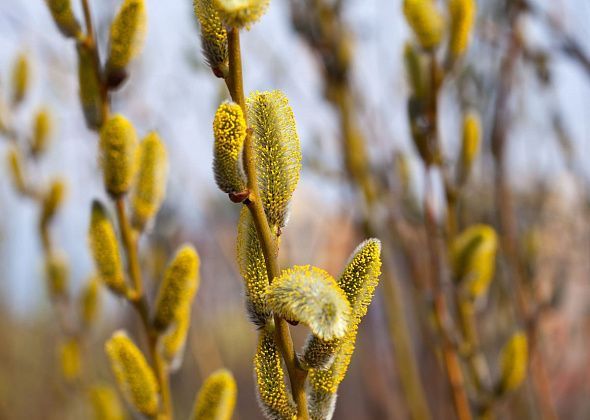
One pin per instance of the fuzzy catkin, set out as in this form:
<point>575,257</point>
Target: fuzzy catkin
<point>216,398</point>
<point>64,18</point>
<point>20,78</point>
<point>229,131</point>
<point>240,13</point>
<point>89,301</point>
<point>178,287</point>
<point>150,184</point>
<point>513,362</point>
<point>470,144</point>
<point>134,376</point>
<point>57,273</point>
<point>173,342</point>
<point>90,88</point>
<point>128,32</point>
<point>16,169</point>
<point>213,37</point>
<point>105,403</point>
<point>70,359</point>
<point>425,20</point>
<point>118,145</point>
<point>462,14</point>
<point>52,200</point>
<point>105,249</point>
<point>42,128</point>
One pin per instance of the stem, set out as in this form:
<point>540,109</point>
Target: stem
<point>130,245</point>
<point>297,376</point>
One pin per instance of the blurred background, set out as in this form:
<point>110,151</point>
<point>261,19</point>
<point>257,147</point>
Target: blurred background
<point>535,95</point>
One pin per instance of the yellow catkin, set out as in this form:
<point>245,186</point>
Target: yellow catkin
<point>311,296</point>
<point>462,15</point>
<point>150,184</point>
<point>469,144</point>
<point>64,18</point>
<point>426,21</point>
<point>42,128</point>
<point>89,301</point>
<point>325,381</point>
<point>52,200</point>
<point>128,32</point>
<point>90,88</point>
<point>105,403</point>
<point>134,376</point>
<point>20,78</point>
<point>274,398</point>
<point>178,287</point>
<point>473,258</point>
<point>277,152</point>
<point>173,342</point>
<point>105,250</point>
<point>252,268</point>
<point>16,170</point>
<point>513,362</point>
<point>240,13</point>
<point>57,273</point>
<point>216,398</point>
<point>118,146</point>
<point>70,359</point>
<point>229,132</point>
<point>213,37</point>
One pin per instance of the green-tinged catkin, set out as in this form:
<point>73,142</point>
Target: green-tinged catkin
<point>118,147</point>
<point>173,342</point>
<point>64,18</point>
<point>240,13</point>
<point>471,140</point>
<point>426,21</point>
<point>105,403</point>
<point>128,32</point>
<point>15,166</point>
<point>178,287</point>
<point>150,184</point>
<point>134,376</point>
<point>229,132</point>
<point>462,15</point>
<point>277,152</point>
<point>70,359</point>
<point>311,296</point>
<point>216,398</point>
<point>57,273</point>
<point>52,200</point>
<point>213,37</point>
<point>89,83</point>
<point>414,70</point>
<point>105,250</point>
<point>513,362</point>
<point>252,268</point>
<point>20,78</point>
<point>473,258</point>
<point>42,128</point>
<point>90,301</point>
<point>274,398</point>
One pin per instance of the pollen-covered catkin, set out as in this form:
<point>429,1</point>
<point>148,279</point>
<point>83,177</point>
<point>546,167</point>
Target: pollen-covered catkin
<point>240,13</point>
<point>64,18</point>
<point>118,145</point>
<point>134,376</point>
<point>229,131</point>
<point>311,296</point>
<point>150,184</point>
<point>89,301</point>
<point>42,127</point>
<point>513,362</point>
<point>426,21</point>
<point>462,14</point>
<point>128,32</point>
<point>20,78</point>
<point>213,37</point>
<point>70,359</point>
<point>469,144</point>
<point>105,249</point>
<point>216,398</point>
<point>57,272</point>
<point>277,152</point>
<point>105,403</point>
<point>90,88</point>
<point>178,287</point>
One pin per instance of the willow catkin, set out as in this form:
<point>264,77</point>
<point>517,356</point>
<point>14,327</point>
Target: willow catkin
<point>178,287</point>
<point>64,18</point>
<point>118,146</point>
<point>216,398</point>
<point>89,301</point>
<point>150,183</point>
<point>70,359</point>
<point>105,403</point>
<point>426,21</point>
<point>127,34</point>
<point>311,296</point>
<point>57,273</point>
<point>16,170</point>
<point>134,376</point>
<point>240,13</point>
<point>229,131</point>
<point>414,70</point>
<point>462,15</point>
<point>42,128</point>
<point>173,342</point>
<point>105,250</point>
<point>90,85</point>
<point>20,78</point>
<point>470,143</point>
<point>513,362</point>
<point>52,200</point>
<point>213,37</point>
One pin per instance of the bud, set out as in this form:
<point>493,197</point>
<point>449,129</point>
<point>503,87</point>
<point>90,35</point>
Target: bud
<point>173,342</point>
<point>20,78</point>
<point>42,128</point>
<point>16,170</point>
<point>414,70</point>
<point>63,16</point>
<point>217,397</point>
<point>426,21</point>
<point>150,185</point>
<point>134,376</point>
<point>52,200</point>
<point>70,359</point>
<point>57,273</point>
<point>213,37</point>
<point>106,404</point>
<point>178,288</point>
<point>89,301</point>
<point>462,13</point>
<point>118,145</point>
<point>277,152</point>
<point>240,13</point>
<point>229,130</point>
<point>469,144</point>
<point>513,361</point>
<point>105,249</point>
<point>90,88</point>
